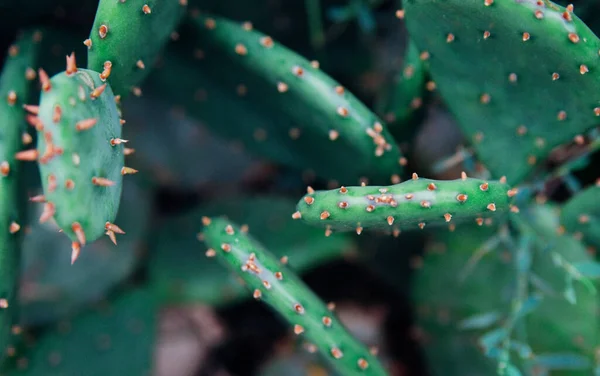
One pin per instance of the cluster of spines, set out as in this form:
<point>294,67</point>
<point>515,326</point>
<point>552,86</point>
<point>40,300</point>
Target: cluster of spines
<point>273,283</point>
<point>52,150</point>
<point>414,202</point>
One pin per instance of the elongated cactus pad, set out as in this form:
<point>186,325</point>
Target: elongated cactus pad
<point>581,215</point>
<point>126,38</point>
<point>116,338</point>
<point>292,112</point>
<point>416,202</point>
<point>276,285</point>
<point>505,68</point>
<point>80,154</point>
<point>15,87</point>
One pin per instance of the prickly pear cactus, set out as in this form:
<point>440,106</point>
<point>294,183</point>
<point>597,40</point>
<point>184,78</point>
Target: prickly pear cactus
<point>80,154</point>
<point>15,87</point>
<point>278,286</point>
<point>503,104</point>
<point>308,114</point>
<point>127,36</point>
<point>416,202</point>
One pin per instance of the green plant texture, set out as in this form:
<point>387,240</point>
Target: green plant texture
<point>319,187</point>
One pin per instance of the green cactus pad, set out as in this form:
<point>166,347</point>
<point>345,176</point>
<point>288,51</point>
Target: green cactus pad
<point>15,88</point>
<point>280,288</point>
<point>129,35</point>
<point>581,216</point>
<point>51,288</point>
<point>292,112</point>
<point>81,165</point>
<point>409,205</point>
<point>504,68</point>
<point>117,338</point>
<point>405,95</point>
<point>182,274</point>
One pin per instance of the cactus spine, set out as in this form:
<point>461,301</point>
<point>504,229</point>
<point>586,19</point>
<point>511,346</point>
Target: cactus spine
<point>279,287</point>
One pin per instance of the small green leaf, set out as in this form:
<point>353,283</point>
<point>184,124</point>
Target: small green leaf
<point>480,321</point>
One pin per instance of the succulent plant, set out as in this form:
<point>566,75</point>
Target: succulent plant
<point>237,107</point>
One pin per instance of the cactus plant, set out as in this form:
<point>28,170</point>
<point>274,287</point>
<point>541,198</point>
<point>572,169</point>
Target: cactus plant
<point>502,103</point>
<point>128,35</point>
<point>80,153</point>
<point>236,119</point>
<point>15,87</point>
<point>416,202</point>
<point>277,285</point>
